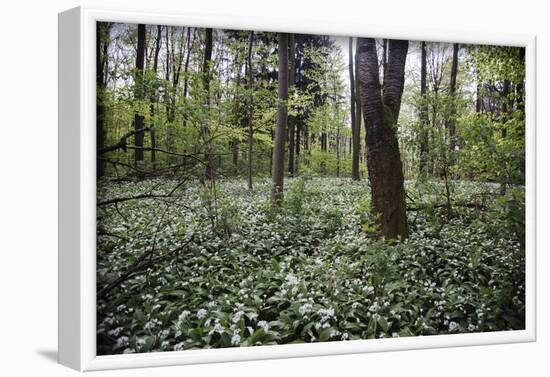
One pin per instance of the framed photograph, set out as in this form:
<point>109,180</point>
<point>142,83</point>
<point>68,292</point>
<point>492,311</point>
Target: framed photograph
<point>239,189</point>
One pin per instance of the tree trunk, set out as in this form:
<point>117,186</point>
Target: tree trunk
<point>139,92</point>
<point>102,44</point>
<point>452,92</point>
<point>238,116</point>
<point>186,69</point>
<point>206,92</point>
<point>299,127</point>
<point>291,119</point>
<point>280,131</point>
<point>354,134</point>
<point>423,113</point>
<point>385,43</point>
<point>381,112</point>
<point>505,106</point>
<point>154,98</point>
<point>250,109</point>
<point>358,117</point>
<point>479,97</point>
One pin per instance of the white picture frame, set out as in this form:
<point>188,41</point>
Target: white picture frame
<point>77,191</point>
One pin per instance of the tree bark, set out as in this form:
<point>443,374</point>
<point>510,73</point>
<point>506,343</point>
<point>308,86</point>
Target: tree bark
<point>423,113</point>
<point>280,131</point>
<point>358,116</point>
<point>354,128</point>
<point>102,45</point>
<point>452,93</point>
<point>291,119</point>
<point>381,112</point>
<point>250,108</point>
<point>206,92</point>
<point>154,97</point>
<point>186,68</point>
<point>139,91</point>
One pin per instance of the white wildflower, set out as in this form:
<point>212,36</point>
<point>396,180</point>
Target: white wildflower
<point>123,340</point>
<point>201,313</point>
<point>304,309</point>
<point>237,316</point>
<point>264,325</point>
<point>183,316</point>
<point>235,339</point>
<point>326,314</point>
<point>453,326</point>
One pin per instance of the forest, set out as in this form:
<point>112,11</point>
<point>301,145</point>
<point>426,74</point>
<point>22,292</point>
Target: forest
<point>261,188</point>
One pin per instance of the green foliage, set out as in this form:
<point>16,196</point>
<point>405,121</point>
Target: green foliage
<point>490,156</point>
<point>308,272</point>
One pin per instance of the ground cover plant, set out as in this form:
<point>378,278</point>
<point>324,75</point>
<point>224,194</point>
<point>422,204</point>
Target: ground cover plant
<point>314,271</point>
<point>259,188</point>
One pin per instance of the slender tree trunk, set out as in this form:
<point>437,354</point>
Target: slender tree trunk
<point>186,69</point>
<point>452,92</point>
<point>206,92</point>
<point>358,117</point>
<point>354,134</point>
<point>102,43</point>
<point>381,112</point>
<point>139,92</point>
<point>282,115</point>
<point>291,119</point>
<point>479,97</point>
<point>520,87</point>
<point>505,106</point>
<point>154,97</point>
<point>423,112</point>
<point>250,108</point>
<point>338,141</point>
<point>299,119</point>
<point>238,116</point>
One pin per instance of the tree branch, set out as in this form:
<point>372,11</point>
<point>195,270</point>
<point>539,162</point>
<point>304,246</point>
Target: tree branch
<point>122,144</point>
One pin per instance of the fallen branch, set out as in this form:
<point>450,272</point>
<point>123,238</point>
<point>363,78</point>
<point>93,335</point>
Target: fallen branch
<point>139,266</point>
<point>462,205</point>
<point>148,195</point>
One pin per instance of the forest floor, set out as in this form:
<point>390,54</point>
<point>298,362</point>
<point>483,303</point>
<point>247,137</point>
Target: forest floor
<point>220,268</point>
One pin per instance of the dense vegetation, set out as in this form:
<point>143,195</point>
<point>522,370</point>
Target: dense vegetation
<point>261,188</point>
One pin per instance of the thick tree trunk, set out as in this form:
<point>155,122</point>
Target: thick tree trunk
<point>354,128</point>
<point>381,112</point>
<point>139,92</point>
<point>291,119</point>
<point>280,131</point>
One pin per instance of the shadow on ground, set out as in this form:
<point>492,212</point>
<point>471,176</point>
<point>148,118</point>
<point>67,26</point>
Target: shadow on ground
<point>50,355</point>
